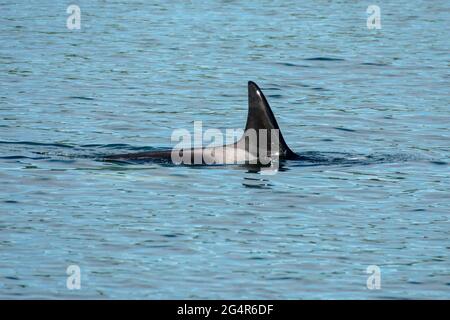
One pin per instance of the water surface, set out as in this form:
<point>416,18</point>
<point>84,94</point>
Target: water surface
<point>138,70</point>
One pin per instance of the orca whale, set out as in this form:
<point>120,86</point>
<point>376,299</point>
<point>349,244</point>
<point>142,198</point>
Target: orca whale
<point>261,143</point>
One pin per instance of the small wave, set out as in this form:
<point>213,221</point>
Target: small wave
<point>30,143</point>
<point>324,59</point>
<point>23,157</point>
<point>344,129</point>
<point>289,64</point>
<point>81,98</point>
<point>374,64</point>
<point>314,158</point>
<point>439,163</point>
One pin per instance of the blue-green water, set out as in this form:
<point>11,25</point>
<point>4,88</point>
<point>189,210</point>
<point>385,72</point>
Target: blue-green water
<point>137,70</point>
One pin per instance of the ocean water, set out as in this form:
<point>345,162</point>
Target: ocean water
<point>373,104</point>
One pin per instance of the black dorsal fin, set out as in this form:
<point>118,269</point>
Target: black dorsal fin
<point>260,116</point>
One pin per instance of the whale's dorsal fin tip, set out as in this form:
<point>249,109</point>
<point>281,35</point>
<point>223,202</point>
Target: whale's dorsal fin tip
<point>260,116</point>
